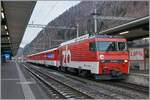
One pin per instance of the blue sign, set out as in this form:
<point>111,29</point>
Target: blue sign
<point>50,55</point>
<point>7,56</point>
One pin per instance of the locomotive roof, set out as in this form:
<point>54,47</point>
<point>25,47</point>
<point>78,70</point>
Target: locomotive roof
<point>43,51</point>
<point>87,36</point>
<point>83,37</point>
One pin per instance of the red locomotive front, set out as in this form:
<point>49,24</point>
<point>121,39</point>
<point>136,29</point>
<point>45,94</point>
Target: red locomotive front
<point>112,55</point>
<point>105,57</point>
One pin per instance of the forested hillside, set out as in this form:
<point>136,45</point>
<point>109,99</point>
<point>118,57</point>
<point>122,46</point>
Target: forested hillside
<point>81,14</point>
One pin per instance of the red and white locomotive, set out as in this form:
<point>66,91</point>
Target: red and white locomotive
<point>104,57</point>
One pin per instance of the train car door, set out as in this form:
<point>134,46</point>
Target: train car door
<point>60,57</point>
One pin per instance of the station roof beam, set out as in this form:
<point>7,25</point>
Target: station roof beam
<point>135,29</point>
<point>15,16</point>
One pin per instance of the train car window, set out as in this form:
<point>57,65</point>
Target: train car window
<point>50,56</point>
<point>106,46</point>
<point>92,46</point>
<point>122,46</point>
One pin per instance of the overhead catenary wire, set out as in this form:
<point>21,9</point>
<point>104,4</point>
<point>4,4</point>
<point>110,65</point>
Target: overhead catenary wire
<point>51,10</point>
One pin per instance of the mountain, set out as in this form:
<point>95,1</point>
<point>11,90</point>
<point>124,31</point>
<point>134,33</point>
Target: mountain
<point>81,14</point>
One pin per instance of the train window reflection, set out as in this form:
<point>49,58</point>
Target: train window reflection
<point>107,46</point>
<point>121,46</point>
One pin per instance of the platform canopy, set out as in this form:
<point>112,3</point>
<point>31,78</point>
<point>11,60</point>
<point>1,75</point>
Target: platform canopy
<point>15,16</point>
<point>135,29</point>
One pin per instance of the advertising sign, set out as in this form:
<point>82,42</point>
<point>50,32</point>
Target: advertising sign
<point>136,53</point>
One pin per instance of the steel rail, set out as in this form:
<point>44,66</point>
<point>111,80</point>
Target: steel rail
<point>46,83</point>
<point>91,81</point>
<point>72,93</point>
<point>130,86</point>
<point>106,95</point>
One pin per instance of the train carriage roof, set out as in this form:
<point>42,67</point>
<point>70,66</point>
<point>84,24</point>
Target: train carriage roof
<point>87,36</point>
<point>43,52</point>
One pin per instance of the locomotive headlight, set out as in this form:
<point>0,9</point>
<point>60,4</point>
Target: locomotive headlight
<point>125,60</point>
<point>101,56</point>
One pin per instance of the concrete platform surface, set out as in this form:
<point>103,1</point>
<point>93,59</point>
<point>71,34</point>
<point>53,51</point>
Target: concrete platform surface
<point>16,83</point>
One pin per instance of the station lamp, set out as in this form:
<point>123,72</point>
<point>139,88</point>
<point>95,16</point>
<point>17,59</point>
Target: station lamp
<point>2,14</point>
<point>5,27</point>
<point>7,33</point>
<point>124,32</point>
<point>9,39</point>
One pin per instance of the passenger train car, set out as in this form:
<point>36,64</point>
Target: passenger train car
<point>48,57</point>
<point>102,56</point>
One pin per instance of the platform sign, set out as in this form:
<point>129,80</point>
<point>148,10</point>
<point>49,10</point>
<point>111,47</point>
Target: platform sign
<point>136,53</point>
<point>7,56</point>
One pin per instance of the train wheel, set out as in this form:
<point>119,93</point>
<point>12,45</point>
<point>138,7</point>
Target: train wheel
<point>63,69</point>
<point>59,68</point>
<point>83,73</point>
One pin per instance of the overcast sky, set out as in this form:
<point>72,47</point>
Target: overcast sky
<point>43,13</point>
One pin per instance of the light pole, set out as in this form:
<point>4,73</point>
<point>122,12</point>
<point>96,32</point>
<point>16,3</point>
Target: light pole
<point>95,21</point>
<point>77,30</point>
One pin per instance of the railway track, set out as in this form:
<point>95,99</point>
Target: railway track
<point>60,89</point>
<point>108,89</point>
<point>129,86</point>
<point>122,87</point>
<point>97,94</point>
<point>117,83</point>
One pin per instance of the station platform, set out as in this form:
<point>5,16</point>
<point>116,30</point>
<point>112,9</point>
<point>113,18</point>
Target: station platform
<point>138,77</point>
<point>16,83</point>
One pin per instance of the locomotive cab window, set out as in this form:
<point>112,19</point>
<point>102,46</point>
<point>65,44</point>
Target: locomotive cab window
<point>122,46</point>
<point>92,46</point>
<point>107,46</point>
